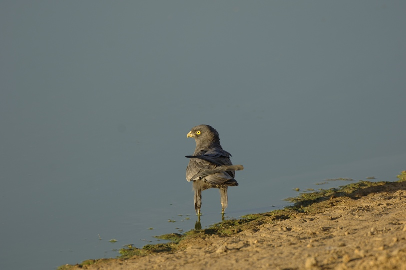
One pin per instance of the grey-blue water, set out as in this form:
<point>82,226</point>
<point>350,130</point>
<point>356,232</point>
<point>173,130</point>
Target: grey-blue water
<point>96,99</point>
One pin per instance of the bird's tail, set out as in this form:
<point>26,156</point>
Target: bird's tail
<point>231,183</point>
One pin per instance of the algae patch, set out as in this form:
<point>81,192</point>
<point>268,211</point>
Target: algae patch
<point>402,176</point>
<point>173,237</point>
<point>304,200</point>
<point>130,251</point>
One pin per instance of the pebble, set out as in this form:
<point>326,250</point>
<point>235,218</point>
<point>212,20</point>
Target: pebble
<point>331,259</point>
<point>341,267</point>
<point>383,258</point>
<point>310,262</point>
<point>359,252</point>
<point>395,252</point>
<point>222,249</point>
<point>346,258</point>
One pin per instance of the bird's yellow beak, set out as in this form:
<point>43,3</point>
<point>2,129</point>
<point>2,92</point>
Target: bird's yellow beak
<point>189,135</point>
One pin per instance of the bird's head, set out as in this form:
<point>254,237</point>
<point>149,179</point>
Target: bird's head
<point>204,134</point>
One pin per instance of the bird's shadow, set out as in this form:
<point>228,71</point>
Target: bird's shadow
<point>198,224</point>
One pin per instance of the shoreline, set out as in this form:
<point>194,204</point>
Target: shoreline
<point>358,226</point>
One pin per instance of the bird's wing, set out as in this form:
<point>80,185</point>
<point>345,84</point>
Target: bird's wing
<point>197,165</point>
<point>220,169</point>
<point>207,158</point>
<point>216,156</point>
<point>214,165</point>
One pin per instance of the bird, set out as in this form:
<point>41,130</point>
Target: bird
<point>210,166</point>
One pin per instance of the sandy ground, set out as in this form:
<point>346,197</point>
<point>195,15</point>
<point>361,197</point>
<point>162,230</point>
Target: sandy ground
<point>367,231</point>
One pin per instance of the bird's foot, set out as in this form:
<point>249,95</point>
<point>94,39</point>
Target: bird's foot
<point>198,225</point>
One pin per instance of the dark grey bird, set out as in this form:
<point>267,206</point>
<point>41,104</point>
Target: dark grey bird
<point>210,166</point>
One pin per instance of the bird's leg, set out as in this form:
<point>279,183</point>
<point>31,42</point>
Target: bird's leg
<point>198,197</point>
<point>223,198</point>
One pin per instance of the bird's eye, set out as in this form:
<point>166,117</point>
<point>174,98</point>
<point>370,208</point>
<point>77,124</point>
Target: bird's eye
<point>198,132</point>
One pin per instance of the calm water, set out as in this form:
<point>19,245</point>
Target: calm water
<point>97,98</point>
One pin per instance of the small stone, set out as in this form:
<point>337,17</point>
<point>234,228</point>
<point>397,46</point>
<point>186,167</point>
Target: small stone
<point>222,249</point>
<point>360,253</point>
<point>310,262</point>
<point>346,258</point>
<point>342,244</point>
<point>383,258</point>
<point>310,245</point>
<point>346,233</point>
<point>331,259</point>
<point>395,252</point>
<point>341,266</point>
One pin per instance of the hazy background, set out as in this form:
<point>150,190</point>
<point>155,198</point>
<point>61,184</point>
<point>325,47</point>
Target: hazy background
<point>96,99</point>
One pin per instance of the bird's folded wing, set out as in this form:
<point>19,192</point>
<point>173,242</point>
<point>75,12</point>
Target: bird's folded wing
<point>206,172</point>
<point>207,158</point>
